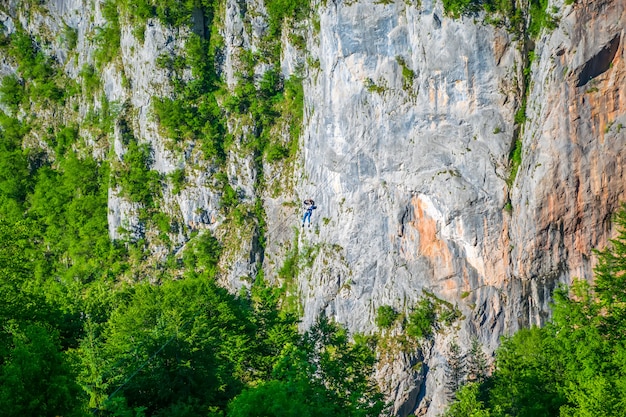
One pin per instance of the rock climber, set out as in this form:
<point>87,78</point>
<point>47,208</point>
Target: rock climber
<point>309,206</point>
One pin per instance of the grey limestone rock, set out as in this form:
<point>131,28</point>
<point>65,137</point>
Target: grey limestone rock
<point>410,173</point>
<point>123,217</point>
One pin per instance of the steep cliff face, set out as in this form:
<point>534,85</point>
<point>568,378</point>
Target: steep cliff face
<point>571,178</point>
<point>409,124</point>
<point>406,152</point>
<point>409,172</point>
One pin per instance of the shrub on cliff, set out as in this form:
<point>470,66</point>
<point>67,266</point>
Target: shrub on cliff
<point>386,316</point>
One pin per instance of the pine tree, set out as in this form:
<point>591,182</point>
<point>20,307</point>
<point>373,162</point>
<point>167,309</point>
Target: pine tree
<point>476,363</point>
<point>456,370</point>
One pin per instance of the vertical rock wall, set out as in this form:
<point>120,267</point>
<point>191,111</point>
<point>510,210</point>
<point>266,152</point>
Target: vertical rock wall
<point>572,173</point>
<point>406,154</point>
<point>409,179</point>
<point>410,172</point>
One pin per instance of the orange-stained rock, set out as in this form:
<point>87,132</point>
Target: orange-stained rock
<point>572,174</point>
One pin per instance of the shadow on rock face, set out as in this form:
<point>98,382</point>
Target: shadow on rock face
<point>599,63</point>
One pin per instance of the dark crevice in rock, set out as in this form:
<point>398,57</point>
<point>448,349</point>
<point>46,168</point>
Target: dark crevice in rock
<point>257,251</point>
<point>599,63</point>
<point>405,217</point>
<point>198,23</point>
<point>243,8</point>
<point>436,21</point>
<point>421,402</point>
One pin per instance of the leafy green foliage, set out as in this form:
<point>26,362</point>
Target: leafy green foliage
<point>407,73</point>
<point>162,221</point>
<point>386,316</point>
<point>36,378</point>
<point>275,328</point>
<point>296,259</point>
<point>430,314</point>
<point>70,205</point>
<point>275,152</point>
<point>520,114</point>
<point>229,198</point>
<point>183,120</point>
<point>170,12</point>
<point>293,110</point>
<point>422,319</point>
<point>260,103</point>
<point>189,345</point>
<point>17,258</point>
<point>15,178</point>
<point>458,7</point>
<point>540,18</point>
<point>372,87</point>
<point>281,398</point>
<point>35,374</point>
<point>108,37</point>
<point>64,139</point>
<point>194,114</point>
<point>515,159</point>
<point>456,369</point>
<point>91,80</point>
<point>101,120</point>
<point>203,254</point>
<point>70,37</point>
<point>138,182</point>
<point>202,337</point>
<point>85,333</point>
<point>506,12</point>
<point>468,403</point>
<point>323,374</point>
<point>35,69</point>
<point>278,10</point>
<point>177,178</point>
<point>476,362</point>
<point>289,270</point>
<point>275,99</point>
<point>63,210</point>
<point>12,92</point>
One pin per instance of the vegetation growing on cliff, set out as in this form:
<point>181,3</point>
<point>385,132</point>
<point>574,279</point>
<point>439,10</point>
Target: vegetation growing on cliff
<point>520,19</point>
<point>78,340</point>
<point>87,331</point>
<point>386,316</point>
